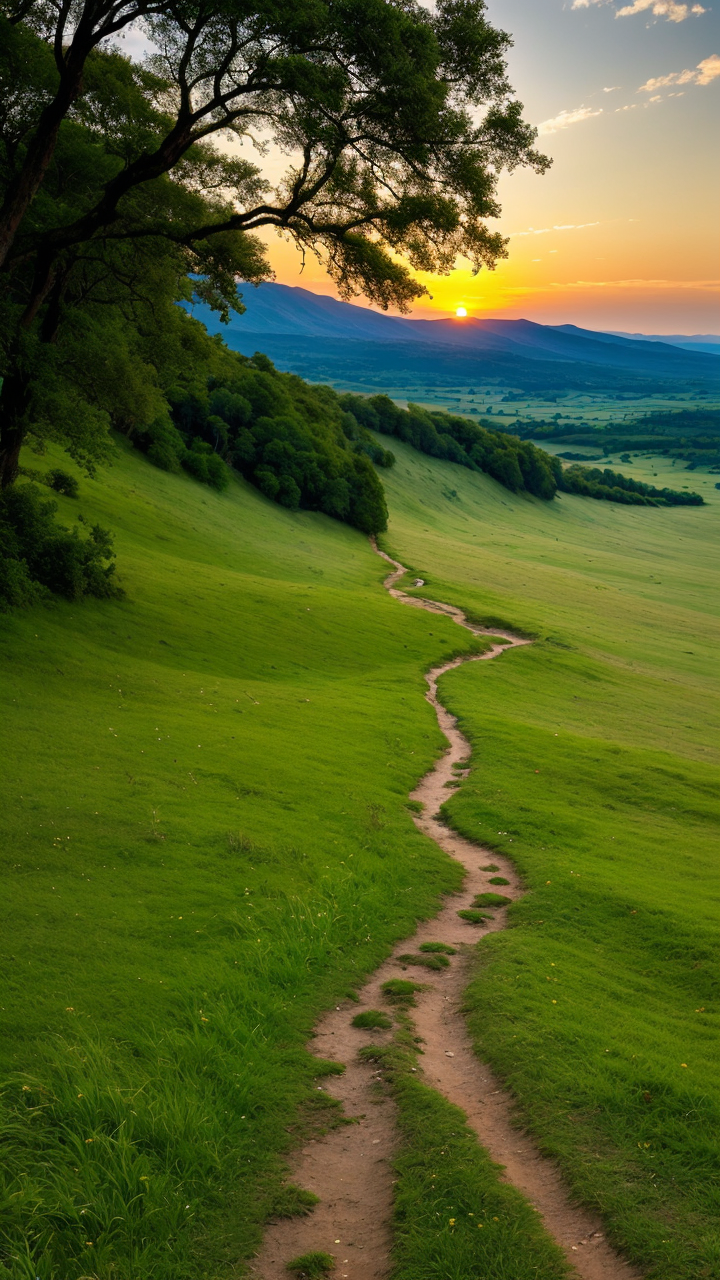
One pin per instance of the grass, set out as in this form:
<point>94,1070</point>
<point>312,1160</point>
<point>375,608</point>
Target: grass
<point>309,1266</point>
<point>249,722</point>
<point>453,1218</point>
<point>293,1202</point>
<point>595,769</point>
<point>401,992</point>
<point>206,843</point>
<point>370,1019</point>
<point>473,917</point>
<point>427,961</point>
<point>438,947</point>
<point>491,899</point>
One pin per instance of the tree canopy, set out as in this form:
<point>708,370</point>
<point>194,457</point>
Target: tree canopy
<point>118,179</point>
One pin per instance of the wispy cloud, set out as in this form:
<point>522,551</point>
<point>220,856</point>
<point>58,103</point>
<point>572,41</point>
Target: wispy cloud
<point>669,9</point>
<point>705,72</point>
<point>562,226</point>
<point>566,118</point>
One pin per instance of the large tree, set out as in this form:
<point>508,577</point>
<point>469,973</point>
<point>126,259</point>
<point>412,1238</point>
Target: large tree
<point>396,121</point>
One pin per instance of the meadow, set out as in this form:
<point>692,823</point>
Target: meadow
<point>595,754</point>
<point>206,842</point>
<point>249,720</point>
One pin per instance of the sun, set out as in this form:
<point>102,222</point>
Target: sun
<point>461,312</point>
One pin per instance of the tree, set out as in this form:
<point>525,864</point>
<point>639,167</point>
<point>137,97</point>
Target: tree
<point>396,122</point>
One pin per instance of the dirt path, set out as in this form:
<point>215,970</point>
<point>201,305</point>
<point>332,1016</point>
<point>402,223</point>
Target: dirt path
<point>350,1168</point>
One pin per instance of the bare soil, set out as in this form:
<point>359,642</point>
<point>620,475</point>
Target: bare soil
<point>351,1167</point>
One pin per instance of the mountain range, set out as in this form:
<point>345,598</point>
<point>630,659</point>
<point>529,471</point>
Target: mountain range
<point>325,339</point>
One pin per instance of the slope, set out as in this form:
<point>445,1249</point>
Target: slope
<point>249,722</point>
<point>595,754</point>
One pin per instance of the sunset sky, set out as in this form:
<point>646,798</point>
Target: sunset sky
<point>622,233</point>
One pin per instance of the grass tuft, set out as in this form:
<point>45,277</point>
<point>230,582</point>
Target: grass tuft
<point>311,1265</point>
<point>370,1019</point>
<point>490,900</point>
<point>490,867</point>
<point>499,880</point>
<point>427,961</point>
<point>440,947</point>
<point>292,1201</point>
<point>400,991</point>
<point>474,917</point>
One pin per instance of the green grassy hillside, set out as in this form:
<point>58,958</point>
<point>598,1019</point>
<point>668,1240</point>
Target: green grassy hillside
<point>205,791</point>
<point>594,769</point>
<point>207,842</point>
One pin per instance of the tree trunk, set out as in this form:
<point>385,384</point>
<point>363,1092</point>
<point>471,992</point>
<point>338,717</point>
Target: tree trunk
<point>14,402</point>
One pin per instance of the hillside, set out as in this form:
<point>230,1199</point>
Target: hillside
<point>251,724</point>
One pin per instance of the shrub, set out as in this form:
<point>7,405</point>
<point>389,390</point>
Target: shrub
<point>63,482</point>
<point>36,553</point>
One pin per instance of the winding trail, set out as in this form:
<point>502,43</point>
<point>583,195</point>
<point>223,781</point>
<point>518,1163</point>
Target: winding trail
<point>350,1168</point>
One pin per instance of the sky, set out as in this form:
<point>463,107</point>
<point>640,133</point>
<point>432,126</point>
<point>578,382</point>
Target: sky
<point>622,232</point>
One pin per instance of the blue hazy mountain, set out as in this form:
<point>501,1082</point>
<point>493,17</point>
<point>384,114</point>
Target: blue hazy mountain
<point>709,342</point>
<point>325,339</point>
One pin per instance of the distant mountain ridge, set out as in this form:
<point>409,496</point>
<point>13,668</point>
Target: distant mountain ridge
<point>302,329</point>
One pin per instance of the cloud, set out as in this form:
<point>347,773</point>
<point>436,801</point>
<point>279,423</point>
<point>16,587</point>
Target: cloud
<point>563,226</point>
<point>611,88</point>
<point>566,118</point>
<point>669,9</point>
<point>705,72</point>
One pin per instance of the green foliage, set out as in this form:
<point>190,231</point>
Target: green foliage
<point>473,917</point>
<point>63,482</point>
<point>438,947</point>
<point>499,880</point>
<point>370,1019</point>
<point>310,1266</point>
<point>37,553</point>
<point>112,189</point>
<point>591,482</point>
<point>490,900</point>
<point>518,465</point>
<point>291,440</point>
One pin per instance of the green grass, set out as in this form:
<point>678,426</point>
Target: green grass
<point>474,917</point>
<point>310,1266</point>
<point>426,961</point>
<point>372,1018</point>
<point>594,769</point>
<point>453,1218</point>
<point>204,791</point>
